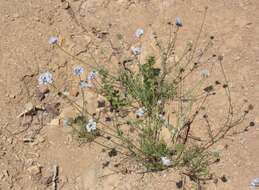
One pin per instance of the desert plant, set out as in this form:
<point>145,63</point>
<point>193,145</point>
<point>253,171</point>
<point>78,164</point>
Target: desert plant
<point>156,104</point>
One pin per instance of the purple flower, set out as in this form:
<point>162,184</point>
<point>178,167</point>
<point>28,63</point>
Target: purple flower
<point>139,32</point>
<point>45,78</point>
<point>136,50</point>
<point>53,40</point>
<point>78,70</point>
<point>91,125</point>
<point>91,75</point>
<point>178,22</point>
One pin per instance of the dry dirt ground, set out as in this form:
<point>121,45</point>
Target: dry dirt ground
<point>26,25</point>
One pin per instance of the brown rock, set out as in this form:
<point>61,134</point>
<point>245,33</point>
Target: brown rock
<point>55,122</point>
<point>44,89</point>
<point>65,5</point>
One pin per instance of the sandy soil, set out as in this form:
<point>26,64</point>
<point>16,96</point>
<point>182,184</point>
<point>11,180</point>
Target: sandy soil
<point>25,27</point>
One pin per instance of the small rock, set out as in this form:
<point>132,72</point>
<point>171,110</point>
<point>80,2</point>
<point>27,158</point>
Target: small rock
<point>44,89</point>
<point>105,164</point>
<point>10,140</point>
<point>41,139</point>
<point>34,170</point>
<point>101,103</point>
<point>123,113</point>
<point>74,92</point>
<point>53,108</point>
<point>242,141</point>
<point>29,162</point>
<point>13,96</point>
<point>2,153</point>
<point>47,180</point>
<point>65,5</point>
<point>40,95</point>
<point>179,184</point>
<point>215,181</point>
<point>29,106</point>
<point>55,122</point>
<point>63,179</point>
<point>224,179</point>
<point>28,140</point>
<point>113,152</point>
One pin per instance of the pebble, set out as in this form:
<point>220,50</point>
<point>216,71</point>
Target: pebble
<point>10,140</point>
<point>65,5</point>
<point>44,89</point>
<point>55,122</point>
<point>12,96</point>
<point>100,103</point>
<point>28,139</point>
<point>29,106</point>
<point>29,162</point>
<point>34,170</point>
<point>41,139</point>
<point>74,92</point>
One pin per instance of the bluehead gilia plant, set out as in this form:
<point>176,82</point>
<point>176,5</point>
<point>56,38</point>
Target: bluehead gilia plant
<point>153,109</point>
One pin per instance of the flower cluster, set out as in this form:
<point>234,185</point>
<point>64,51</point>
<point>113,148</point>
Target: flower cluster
<point>178,22</point>
<point>141,112</point>
<point>91,75</point>
<point>205,73</point>
<point>136,50</point>
<point>53,40</point>
<point>78,70</point>
<point>45,78</point>
<point>91,125</point>
<point>254,183</point>
<point>139,32</point>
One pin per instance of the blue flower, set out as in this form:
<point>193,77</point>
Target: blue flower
<point>139,32</point>
<point>136,50</point>
<point>254,183</point>
<point>205,73</point>
<point>178,22</point>
<point>78,70</point>
<point>91,125</point>
<point>91,75</point>
<point>45,78</point>
<point>53,40</point>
